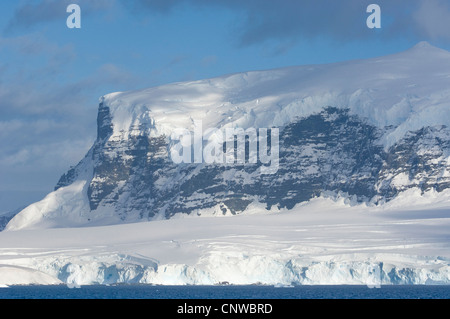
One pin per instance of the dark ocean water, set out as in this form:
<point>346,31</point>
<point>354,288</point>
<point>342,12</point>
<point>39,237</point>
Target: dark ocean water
<point>225,292</point>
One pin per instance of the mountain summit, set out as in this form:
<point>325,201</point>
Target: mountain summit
<point>366,129</point>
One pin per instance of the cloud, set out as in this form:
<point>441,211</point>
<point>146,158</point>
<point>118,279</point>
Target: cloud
<point>32,13</point>
<point>280,21</point>
<point>177,60</point>
<point>433,19</point>
<point>344,20</point>
<point>267,20</point>
<point>29,44</point>
<point>208,60</point>
<point>28,51</point>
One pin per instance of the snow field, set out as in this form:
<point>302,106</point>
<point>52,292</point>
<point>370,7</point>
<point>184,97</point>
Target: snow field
<point>322,242</point>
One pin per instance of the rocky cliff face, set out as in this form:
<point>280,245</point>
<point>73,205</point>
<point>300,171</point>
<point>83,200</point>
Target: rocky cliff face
<point>331,151</point>
<point>421,159</point>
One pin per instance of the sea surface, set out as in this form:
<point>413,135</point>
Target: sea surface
<point>225,292</point>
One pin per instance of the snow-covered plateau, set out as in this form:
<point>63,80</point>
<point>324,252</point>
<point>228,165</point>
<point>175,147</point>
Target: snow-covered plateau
<point>361,195</point>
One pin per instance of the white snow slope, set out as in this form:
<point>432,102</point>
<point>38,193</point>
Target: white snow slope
<point>322,242</point>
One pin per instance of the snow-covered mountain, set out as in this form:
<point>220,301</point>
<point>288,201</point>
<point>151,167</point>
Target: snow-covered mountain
<point>366,129</point>
<point>361,194</point>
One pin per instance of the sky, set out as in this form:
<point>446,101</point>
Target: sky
<point>52,76</point>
